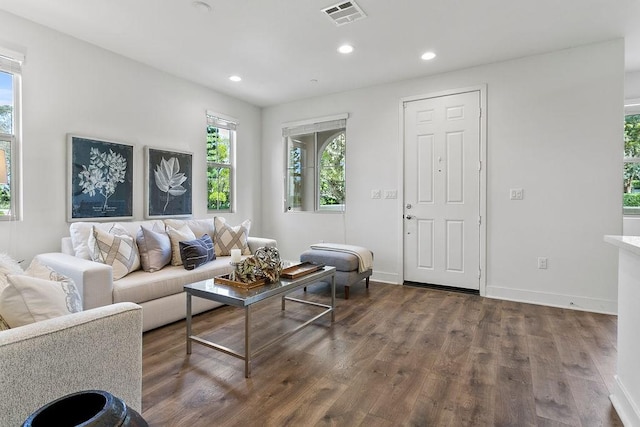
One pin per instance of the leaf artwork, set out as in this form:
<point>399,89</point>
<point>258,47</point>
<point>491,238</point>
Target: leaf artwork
<point>105,172</point>
<point>169,179</point>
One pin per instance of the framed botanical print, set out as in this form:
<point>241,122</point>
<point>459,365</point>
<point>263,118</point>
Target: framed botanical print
<point>100,179</point>
<point>168,186</point>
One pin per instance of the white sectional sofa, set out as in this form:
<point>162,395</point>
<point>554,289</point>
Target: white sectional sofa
<point>160,293</point>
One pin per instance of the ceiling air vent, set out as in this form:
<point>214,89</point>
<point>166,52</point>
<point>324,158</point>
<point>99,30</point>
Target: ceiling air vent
<point>344,13</point>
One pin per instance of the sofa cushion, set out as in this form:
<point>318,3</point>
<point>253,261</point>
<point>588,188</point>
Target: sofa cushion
<point>177,235</point>
<point>195,253</point>
<point>154,247</point>
<point>140,286</point>
<point>28,299</point>
<point>115,248</point>
<point>198,226</point>
<point>228,237</point>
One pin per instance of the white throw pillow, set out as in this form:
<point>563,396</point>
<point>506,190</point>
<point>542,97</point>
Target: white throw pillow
<point>28,299</point>
<point>176,236</point>
<point>115,248</point>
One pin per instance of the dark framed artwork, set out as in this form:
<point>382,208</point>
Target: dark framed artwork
<point>169,177</point>
<point>100,179</point>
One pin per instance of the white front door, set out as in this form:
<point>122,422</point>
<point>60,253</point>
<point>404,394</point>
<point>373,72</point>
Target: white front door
<point>442,190</point>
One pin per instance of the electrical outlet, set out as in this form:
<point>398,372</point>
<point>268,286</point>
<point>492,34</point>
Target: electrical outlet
<point>376,194</point>
<point>542,263</point>
<point>516,194</point>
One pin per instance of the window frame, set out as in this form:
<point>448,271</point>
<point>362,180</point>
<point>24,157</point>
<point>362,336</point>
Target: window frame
<point>11,63</point>
<point>336,123</point>
<point>221,121</point>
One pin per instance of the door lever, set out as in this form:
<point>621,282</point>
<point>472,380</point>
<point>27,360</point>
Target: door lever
<point>409,216</point>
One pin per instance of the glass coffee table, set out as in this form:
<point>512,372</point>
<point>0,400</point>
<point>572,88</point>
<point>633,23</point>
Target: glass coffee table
<point>245,298</point>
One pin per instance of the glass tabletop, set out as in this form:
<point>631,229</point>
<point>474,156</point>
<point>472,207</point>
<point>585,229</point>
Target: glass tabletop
<point>229,294</point>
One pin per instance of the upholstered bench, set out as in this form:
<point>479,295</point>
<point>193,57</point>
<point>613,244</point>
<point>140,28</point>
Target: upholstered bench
<point>349,270</point>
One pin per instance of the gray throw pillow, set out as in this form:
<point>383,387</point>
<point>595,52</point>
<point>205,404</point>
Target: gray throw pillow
<point>154,247</point>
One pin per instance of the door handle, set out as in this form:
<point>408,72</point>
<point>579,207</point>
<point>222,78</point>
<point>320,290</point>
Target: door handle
<point>409,216</point>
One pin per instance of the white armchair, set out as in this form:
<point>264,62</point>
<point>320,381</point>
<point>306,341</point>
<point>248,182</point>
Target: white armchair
<point>98,349</point>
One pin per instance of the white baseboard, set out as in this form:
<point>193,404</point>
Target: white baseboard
<point>553,300</point>
<point>624,405</point>
<point>384,277</point>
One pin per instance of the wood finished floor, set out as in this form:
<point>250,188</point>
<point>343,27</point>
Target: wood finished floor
<point>396,355</point>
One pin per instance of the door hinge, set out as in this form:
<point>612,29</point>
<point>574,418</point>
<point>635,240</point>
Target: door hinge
<point>479,273</point>
<point>480,112</point>
<point>479,220</point>
<point>479,165</point>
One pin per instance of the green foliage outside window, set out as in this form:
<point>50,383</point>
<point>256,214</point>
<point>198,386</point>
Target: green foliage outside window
<point>218,169</point>
<point>332,172</point>
<point>631,150</point>
<point>6,119</point>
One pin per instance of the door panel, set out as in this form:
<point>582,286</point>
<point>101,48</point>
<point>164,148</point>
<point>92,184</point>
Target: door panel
<point>442,191</point>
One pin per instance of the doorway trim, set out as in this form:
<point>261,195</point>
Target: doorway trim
<point>482,88</point>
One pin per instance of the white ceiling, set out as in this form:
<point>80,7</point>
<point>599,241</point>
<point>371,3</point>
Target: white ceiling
<point>286,49</point>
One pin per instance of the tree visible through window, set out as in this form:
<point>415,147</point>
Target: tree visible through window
<point>220,142</point>
<point>316,168</point>
<point>631,180</point>
<point>10,68</point>
<point>332,172</point>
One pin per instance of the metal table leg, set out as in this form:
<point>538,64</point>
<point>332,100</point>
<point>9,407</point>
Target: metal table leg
<point>188,323</point>
<point>333,298</point>
<point>247,341</point>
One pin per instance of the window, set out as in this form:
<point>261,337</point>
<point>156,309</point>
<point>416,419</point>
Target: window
<point>316,169</point>
<point>10,83</point>
<point>221,137</point>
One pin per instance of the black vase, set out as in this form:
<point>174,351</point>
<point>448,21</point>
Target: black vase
<point>91,408</point>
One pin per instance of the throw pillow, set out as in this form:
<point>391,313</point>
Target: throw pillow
<point>195,253</point>
<point>228,237</point>
<point>154,247</point>
<point>40,271</point>
<point>8,265</point>
<point>177,235</point>
<point>29,299</point>
<point>115,248</point>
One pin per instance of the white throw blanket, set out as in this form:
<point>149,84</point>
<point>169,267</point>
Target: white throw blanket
<point>365,256</point>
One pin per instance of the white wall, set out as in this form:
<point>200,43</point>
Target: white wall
<point>73,87</point>
<point>553,130</point>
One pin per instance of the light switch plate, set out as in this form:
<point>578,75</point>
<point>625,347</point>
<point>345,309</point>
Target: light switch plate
<point>376,194</point>
<point>390,194</point>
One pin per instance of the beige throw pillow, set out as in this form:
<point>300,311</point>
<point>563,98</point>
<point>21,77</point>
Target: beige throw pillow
<point>115,248</point>
<point>176,236</point>
<point>228,237</point>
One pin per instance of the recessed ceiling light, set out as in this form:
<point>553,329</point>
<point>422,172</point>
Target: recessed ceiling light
<point>235,78</point>
<point>201,6</point>
<point>428,56</point>
<point>345,48</point>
